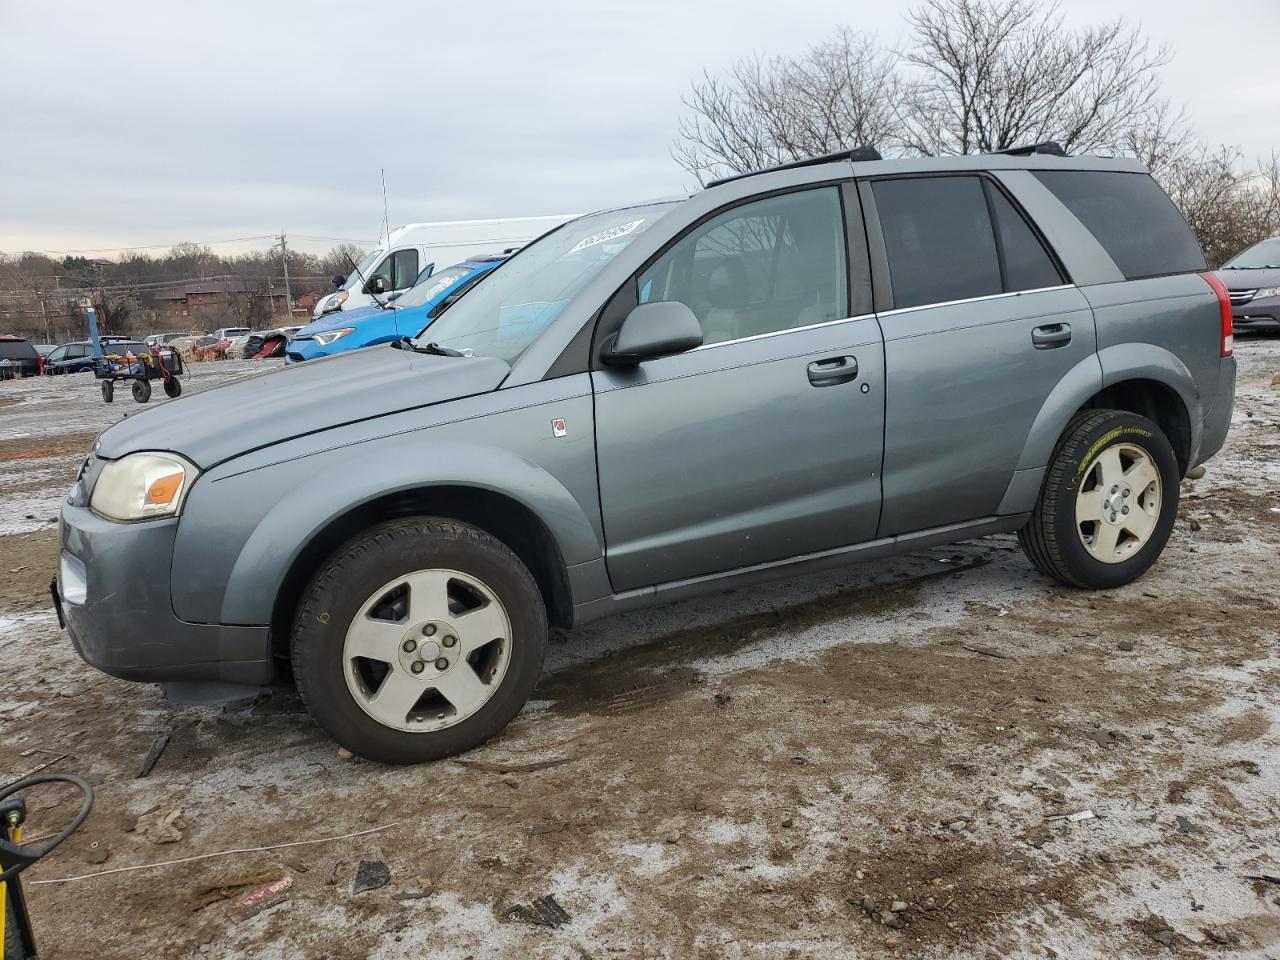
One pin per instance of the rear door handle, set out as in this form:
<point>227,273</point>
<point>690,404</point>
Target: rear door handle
<point>833,370</point>
<point>1051,335</point>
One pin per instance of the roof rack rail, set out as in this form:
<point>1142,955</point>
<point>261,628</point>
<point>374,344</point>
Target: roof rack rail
<point>1050,148</point>
<point>855,155</point>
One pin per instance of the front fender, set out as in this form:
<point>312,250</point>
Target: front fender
<point>241,531</point>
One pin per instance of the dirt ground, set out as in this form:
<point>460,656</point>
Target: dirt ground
<point>997,766</point>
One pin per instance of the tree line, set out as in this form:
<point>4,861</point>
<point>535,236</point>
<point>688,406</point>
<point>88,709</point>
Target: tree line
<point>975,76</point>
<point>40,295</point>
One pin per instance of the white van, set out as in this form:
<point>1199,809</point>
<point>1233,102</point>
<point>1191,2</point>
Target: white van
<point>414,251</point>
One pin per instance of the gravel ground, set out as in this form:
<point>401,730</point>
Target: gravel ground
<point>996,766</point>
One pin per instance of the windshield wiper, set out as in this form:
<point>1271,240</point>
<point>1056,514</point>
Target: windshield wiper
<point>404,343</point>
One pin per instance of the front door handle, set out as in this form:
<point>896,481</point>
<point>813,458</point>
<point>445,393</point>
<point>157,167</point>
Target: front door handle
<point>1051,335</point>
<point>833,370</point>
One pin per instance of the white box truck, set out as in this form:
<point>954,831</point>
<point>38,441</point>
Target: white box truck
<point>412,252</point>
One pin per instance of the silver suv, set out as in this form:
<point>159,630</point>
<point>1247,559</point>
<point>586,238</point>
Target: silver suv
<point>838,360</point>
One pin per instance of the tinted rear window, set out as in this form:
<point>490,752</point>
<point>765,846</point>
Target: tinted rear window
<point>1133,219</point>
<point>16,350</point>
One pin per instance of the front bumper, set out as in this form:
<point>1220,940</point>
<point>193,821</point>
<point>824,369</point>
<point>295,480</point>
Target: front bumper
<point>125,625</point>
<point>1263,313</point>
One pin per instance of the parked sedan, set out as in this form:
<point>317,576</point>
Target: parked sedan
<point>1253,283</point>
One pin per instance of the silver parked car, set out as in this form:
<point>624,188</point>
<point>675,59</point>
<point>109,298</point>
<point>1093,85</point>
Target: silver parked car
<point>1252,278</point>
<point>837,360</point>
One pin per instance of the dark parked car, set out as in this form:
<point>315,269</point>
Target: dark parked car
<point>1253,282</point>
<point>838,360</point>
<point>18,358</point>
<point>78,357</point>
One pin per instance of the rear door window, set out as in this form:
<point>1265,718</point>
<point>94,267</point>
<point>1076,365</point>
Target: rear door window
<point>1134,220</point>
<point>938,238</point>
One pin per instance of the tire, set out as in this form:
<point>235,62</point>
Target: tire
<point>142,390</point>
<point>1133,524</point>
<point>173,387</point>
<point>387,580</point>
<point>108,391</point>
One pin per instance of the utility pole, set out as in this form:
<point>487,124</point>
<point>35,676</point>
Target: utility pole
<point>288,293</point>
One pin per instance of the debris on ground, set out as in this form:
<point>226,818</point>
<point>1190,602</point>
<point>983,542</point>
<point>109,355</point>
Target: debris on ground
<point>161,826</point>
<point>153,754</point>
<point>231,885</point>
<point>370,875</point>
<point>543,912</point>
<point>263,898</point>
<point>1073,817</point>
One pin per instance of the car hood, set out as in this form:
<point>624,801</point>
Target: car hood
<point>1250,279</point>
<point>226,421</point>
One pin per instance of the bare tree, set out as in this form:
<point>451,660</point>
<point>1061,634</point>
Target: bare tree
<point>769,110</point>
<point>987,75</point>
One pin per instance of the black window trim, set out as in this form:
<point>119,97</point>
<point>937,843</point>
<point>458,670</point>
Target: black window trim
<point>881,274</point>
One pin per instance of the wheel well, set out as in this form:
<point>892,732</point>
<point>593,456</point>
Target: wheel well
<point>1157,402</point>
<point>511,522</point>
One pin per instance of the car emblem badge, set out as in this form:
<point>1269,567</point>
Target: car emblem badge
<point>558,428</point>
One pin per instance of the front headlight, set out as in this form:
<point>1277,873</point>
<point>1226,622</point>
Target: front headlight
<point>326,338</point>
<point>1267,292</point>
<point>142,486</point>
<point>335,301</point>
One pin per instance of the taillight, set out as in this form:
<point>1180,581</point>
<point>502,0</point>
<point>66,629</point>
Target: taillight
<point>1224,308</point>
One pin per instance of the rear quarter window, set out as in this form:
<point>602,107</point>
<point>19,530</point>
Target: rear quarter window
<point>1135,221</point>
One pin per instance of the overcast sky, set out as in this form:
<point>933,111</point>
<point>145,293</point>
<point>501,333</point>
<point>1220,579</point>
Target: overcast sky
<point>136,122</point>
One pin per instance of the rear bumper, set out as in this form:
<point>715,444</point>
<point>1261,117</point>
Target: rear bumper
<point>1217,417</point>
<point>124,623</point>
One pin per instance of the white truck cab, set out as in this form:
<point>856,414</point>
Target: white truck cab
<point>414,251</point>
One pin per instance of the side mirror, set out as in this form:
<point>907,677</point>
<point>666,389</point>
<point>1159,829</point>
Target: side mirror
<point>654,330</point>
<point>376,285</point>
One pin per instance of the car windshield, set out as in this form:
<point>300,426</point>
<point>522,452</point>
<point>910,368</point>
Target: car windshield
<point>362,269</point>
<point>433,286</point>
<point>1264,254</point>
<point>505,313</point>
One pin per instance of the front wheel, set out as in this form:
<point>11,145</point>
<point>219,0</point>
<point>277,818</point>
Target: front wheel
<point>1108,504</point>
<point>108,391</point>
<point>142,390</point>
<point>418,639</point>
<point>172,387</point>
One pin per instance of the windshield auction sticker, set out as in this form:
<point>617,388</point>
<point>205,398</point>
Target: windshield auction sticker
<point>604,236</point>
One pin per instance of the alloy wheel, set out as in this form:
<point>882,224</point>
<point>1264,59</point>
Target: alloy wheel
<point>1118,503</point>
<point>427,650</point>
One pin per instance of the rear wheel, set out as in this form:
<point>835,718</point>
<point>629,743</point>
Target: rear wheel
<point>419,639</point>
<point>108,391</point>
<point>1109,501</point>
<point>172,387</point>
<point>142,390</point>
